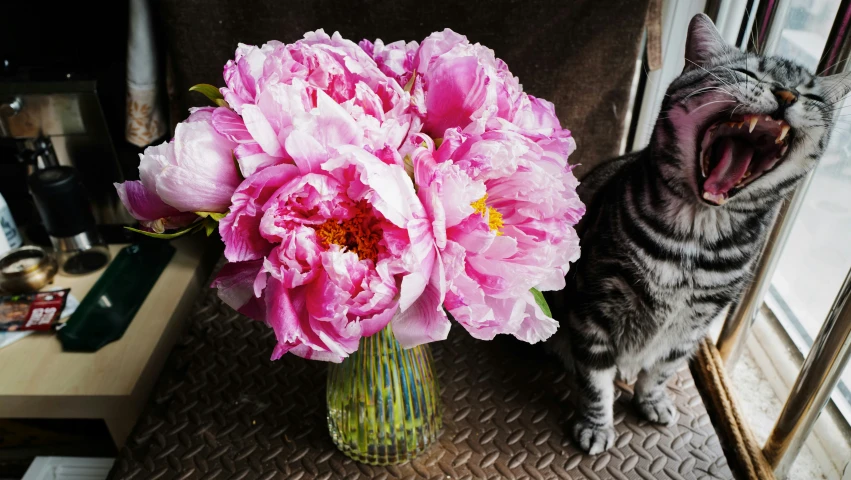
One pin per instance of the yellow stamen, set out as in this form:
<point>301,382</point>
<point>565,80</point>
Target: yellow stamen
<point>491,214</point>
<point>358,234</point>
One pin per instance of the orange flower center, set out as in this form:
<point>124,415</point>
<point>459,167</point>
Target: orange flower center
<point>359,234</point>
<point>493,217</point>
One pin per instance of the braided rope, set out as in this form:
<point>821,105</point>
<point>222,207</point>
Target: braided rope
<point>709,370</point>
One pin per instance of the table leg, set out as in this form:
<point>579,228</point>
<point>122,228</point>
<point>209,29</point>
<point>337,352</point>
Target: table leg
<point>120,428</point>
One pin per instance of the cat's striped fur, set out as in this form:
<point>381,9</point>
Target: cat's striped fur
<point>659,264</point>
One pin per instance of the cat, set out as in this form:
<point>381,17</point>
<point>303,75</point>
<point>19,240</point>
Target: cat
<point>672,231</point>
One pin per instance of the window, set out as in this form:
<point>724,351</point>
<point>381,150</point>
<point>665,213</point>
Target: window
<point>817,254</point>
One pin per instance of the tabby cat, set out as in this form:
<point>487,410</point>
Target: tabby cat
<point>673,231</point>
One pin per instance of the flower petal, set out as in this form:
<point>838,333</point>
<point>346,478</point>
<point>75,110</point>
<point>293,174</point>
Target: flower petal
<point>141,203</point>
<point>251,158</point>
<point>240,228</point>
<point>306,152</point>
<point>235,285</point>
<point>231,125</point>
<point>425,320</point>
<point>536,326</point>
<point>261,131</point>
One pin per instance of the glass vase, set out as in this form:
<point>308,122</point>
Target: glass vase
<point>383,401</point>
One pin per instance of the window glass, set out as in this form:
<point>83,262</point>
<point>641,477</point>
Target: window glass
<point>817,255</point>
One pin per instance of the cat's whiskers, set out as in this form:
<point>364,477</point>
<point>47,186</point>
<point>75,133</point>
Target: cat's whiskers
<point>837,108</point>
<point>705,89</point>
<point>711,103</point>
<point>736,108</point>
<point>709,72</point>
<point>840,84</point>
<point>829,67</point>
<point>757,85</point>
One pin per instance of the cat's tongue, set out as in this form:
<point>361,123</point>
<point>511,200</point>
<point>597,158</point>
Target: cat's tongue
<point>734,157</point>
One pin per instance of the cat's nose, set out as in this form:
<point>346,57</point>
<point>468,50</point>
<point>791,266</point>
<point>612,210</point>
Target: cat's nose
<point>785,96</point>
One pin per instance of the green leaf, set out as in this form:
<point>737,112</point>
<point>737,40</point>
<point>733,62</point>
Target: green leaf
<point>210,226</point>
<point>541,301</point>
<point>410,85</point>
<point>215,216</point>
<point>210,92</point>
<point>168,236</point>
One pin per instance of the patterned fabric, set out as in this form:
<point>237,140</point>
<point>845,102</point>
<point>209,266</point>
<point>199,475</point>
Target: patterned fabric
<point>144,118</point>
<point>144,122</point>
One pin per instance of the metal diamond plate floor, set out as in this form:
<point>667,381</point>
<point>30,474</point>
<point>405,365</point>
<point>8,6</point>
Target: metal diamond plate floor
<point>222,410</point>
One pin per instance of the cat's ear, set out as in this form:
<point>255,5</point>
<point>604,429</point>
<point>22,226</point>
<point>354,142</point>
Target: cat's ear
<point>835,87</point>
<point>704,42</point>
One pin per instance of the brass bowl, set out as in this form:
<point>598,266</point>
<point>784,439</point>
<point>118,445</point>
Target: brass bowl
<point>26,269</point>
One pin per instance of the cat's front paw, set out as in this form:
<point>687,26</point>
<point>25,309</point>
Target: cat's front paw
<point>593,437</point>
<point>659,410</point>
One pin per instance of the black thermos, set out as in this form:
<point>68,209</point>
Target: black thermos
<point>61,200</point>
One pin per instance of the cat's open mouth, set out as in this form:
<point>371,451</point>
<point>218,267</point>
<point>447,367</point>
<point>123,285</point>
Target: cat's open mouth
<point>737,151</point>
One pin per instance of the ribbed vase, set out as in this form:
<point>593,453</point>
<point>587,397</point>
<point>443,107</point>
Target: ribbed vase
<point>383,401</point>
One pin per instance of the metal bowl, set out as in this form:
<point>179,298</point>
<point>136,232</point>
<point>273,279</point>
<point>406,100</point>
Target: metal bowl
<point>26,269</point>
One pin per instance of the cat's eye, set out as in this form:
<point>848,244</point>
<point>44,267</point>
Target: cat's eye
<point>746,72</point>
<point>813,96</point>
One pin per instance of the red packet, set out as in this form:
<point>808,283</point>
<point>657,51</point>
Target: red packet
<point>32,311</point>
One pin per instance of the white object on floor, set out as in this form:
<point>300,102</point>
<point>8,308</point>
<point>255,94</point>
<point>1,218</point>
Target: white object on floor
<point>69,468</point>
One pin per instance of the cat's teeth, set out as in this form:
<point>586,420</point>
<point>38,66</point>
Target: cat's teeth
<point>783,131</point>
<point>753,123</point>
<point>783,150</point>
<point>718,199</point>
<point>767,118</point>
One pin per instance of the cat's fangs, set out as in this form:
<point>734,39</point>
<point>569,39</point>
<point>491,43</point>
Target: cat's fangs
<point>751,121</point>
<point>778,128</point>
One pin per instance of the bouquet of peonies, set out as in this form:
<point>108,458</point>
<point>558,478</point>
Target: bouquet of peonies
<point>358,185</point>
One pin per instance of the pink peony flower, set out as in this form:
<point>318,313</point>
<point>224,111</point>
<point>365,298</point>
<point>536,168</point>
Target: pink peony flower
<point>244,72</point>
<point>194,172</point>
<point>462,85</point>
<point>503,206</point>
<point>328,239</point>
<point>273,89</point>
<point>396,60</point>
<point>145,206</point>
<point>338,243</point>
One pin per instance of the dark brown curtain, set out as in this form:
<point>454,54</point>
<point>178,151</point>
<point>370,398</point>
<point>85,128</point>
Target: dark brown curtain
<point>578,54</point>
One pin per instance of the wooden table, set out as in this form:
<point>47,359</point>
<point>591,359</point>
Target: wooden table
<point>39,380</point>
